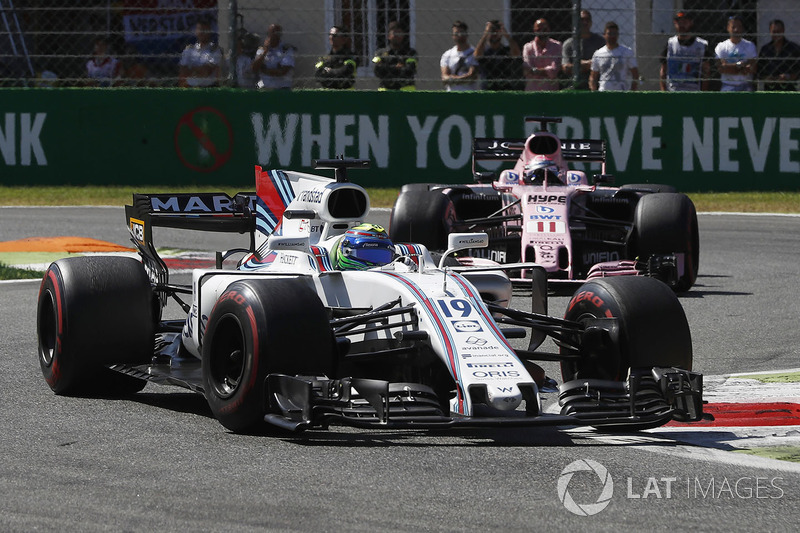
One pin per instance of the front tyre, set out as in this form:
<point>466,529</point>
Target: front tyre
<point>257,328</point>
<point>652,328</point>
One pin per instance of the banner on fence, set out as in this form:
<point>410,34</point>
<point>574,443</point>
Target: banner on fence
<point>697,142</point>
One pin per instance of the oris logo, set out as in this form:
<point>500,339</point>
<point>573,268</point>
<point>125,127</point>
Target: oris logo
<point>496,374</point>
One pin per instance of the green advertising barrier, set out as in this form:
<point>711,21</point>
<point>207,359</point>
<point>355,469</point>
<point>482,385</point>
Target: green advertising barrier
<point>170,137</point>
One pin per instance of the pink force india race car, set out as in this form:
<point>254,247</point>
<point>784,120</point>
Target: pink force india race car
<point>542,211</point>
<point>324,320</point>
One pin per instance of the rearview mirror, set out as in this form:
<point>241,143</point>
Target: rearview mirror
<point>464,241</point>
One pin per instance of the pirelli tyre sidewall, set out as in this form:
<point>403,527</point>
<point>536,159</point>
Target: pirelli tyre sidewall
<point>653,330</point>
<point>666,223</point>
<point>92,312</point>
<point>257,328</point>
<point>422,217</point>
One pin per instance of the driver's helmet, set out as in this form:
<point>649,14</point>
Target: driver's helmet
<point>363,247</point>
<point>540,169</point>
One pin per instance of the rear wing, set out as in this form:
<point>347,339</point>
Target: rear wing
<point>584,150</point>
<point>201,212</point>
<point>214,211</point>
<point>509,149</point>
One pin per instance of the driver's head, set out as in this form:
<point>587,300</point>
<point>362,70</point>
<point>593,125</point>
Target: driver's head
<point>363,247</point>
<point>540,169</point>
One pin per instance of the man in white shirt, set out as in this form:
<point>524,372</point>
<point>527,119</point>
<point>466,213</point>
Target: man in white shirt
<point>614,66</point>
<point>458,64</point>
<point>736,59</point>
<point>201,62</point>
<point>274,61</point>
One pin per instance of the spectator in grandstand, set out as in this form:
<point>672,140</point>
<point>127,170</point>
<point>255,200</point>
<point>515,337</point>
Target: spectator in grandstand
<point>134,71</point>
<point>396,65</point>
<point>246,46</point>
<point>499,63</point>
<point>779,60</point>
<point>614,65</point>
<point>102,70</point>
<point>337,70</point>
<point>590,42</point>
<point>542,59</point>
<point>685,62</point>
<point>201,63</point>
<point>736,58</point>
<point>458,64</point>
<point>274,61</point>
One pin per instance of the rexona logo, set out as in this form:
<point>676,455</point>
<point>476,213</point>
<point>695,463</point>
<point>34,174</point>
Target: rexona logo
<point>467,326</point>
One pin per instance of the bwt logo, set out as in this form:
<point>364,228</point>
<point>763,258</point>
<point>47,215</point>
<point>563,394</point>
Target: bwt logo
<point>544,209</point>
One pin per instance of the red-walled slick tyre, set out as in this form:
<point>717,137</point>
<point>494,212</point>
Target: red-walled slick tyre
<point>93,312</point>
<point>257,328</point>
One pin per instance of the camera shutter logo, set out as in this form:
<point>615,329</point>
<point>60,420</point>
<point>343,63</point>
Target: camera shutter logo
<point>585,509</point>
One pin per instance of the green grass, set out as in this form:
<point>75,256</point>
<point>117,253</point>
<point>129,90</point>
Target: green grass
<point>751,202</point>
<point>8,272</point>
<point>790,377</point>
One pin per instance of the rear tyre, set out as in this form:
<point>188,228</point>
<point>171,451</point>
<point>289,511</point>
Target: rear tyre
<point>93,312</point>
<point>259,328</point>
<point>417,187</point>
<point>653,330</point>
<point>666,223</point>
<point>649,187</point>
<point>422,217</point>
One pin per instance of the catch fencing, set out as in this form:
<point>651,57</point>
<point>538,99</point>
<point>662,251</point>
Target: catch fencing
<point>46,43</point>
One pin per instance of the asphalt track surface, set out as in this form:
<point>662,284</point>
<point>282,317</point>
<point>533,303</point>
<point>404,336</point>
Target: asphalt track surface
<point>160,461</point>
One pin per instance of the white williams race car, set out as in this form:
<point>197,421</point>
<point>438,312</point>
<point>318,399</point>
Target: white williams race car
<point>323,320</point>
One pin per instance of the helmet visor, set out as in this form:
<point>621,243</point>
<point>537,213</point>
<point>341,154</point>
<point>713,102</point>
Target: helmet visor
<point>375,256</point>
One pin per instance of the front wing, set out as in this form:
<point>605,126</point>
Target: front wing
<point>648,399</point>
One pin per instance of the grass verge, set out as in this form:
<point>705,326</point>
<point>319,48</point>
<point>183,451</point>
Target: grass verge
<point>9,272</point>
